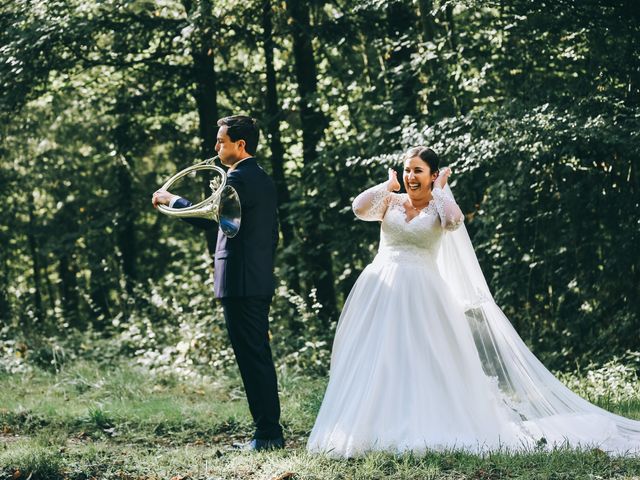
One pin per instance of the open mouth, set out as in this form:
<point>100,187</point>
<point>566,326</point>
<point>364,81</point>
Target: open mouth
<point>413,186</point>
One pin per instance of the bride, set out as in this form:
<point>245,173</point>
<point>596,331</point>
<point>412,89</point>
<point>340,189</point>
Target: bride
<point>423,358</point>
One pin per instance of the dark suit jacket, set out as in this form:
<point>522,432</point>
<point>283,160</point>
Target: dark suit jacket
<point>244,264</point>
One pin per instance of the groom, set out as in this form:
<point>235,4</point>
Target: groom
<point>243,275</point>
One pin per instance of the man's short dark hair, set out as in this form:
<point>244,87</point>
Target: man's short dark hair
<point>242,127</point>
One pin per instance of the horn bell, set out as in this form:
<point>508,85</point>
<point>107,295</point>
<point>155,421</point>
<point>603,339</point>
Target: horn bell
<point>222,206</point>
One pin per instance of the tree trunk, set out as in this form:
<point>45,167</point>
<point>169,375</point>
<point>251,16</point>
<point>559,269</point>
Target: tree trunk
<point>443,98</point>
<point>205,92</point>
<point>456,98</point>
<point>374,64</point>
<point>51,299</point>
<point>5,305</point>
<point>405,86</point>
<point>272,122</point>
<point>126,220</point>
<point>426,18</point>
<point>99,283</point>
<point>35,262</point>
<point>69,289</point>
<point>126,213</point>
<point>318,257</point>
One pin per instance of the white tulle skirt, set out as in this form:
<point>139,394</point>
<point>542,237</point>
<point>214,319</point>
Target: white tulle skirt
<point>406,375</point>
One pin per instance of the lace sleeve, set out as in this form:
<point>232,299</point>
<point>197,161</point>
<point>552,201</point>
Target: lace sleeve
<point>372,204</point>
<point>451,216</point>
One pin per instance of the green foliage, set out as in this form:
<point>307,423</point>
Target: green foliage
<point>535,105</point>
<point>615,383</point>
<point>300,344</point>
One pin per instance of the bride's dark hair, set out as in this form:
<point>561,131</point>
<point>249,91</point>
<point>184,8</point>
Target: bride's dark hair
<point>427,155</point>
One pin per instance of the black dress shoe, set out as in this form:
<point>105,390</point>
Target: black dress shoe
<point>258,444</point>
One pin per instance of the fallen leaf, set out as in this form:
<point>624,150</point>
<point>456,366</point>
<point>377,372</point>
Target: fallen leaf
<point>285,476</point>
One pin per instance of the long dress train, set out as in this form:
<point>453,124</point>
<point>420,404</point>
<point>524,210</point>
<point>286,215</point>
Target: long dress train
<point>423,358</point>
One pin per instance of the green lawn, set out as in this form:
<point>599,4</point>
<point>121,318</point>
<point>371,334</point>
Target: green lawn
<point>91,421</point>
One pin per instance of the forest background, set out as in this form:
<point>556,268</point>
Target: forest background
<point>114,359</point>
<point>534,105</point>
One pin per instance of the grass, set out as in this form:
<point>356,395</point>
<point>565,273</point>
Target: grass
<point>122,422</point>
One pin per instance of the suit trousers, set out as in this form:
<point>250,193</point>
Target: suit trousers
<point>247,320</point>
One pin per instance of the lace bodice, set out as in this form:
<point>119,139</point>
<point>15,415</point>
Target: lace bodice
<point>402,239</point>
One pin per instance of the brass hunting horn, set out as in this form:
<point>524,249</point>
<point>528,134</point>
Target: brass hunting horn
<point>222,206</point>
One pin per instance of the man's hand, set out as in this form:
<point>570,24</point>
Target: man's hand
<point>162,197</point>
<point>443,176</point>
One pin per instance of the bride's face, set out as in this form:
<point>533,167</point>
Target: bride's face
<point>417,178</point>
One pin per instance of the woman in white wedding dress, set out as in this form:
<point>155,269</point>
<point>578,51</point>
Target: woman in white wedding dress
<point>423,358</point>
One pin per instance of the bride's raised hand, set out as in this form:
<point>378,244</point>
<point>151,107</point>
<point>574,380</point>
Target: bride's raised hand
<point>393,185</point>
<point>443,177</point>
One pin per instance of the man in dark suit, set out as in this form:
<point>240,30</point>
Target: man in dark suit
<point>243,276</point>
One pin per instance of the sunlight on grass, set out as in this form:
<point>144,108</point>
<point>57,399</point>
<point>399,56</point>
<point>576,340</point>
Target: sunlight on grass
<point>126,422</point>
<point>29,458</point>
